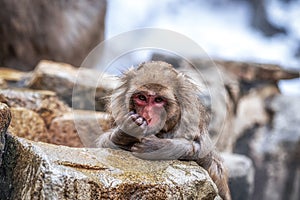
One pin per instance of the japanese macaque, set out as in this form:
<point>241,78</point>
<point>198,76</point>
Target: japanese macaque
<point>159,116</point>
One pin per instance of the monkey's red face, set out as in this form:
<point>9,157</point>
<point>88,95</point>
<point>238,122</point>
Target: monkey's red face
<point>150,107</point>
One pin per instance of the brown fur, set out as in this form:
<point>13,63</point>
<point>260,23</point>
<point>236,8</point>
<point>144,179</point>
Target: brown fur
<point>59,30</point>
<point>185,133</point>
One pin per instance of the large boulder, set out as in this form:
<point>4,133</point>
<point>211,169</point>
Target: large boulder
<point>80,88</point>
<point>43,102</point>
<point>32,170</point>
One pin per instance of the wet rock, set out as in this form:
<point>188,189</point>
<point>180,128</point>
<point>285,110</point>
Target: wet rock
<point>45,103</point>
<point>79,128</point>
<point>81,89</point>
<point>241,176</point>
<point>37,170</point>
<point>274,149</point>
<point>5,117</point>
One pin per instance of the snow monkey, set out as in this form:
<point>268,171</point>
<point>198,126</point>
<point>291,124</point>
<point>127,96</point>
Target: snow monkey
<point>159,116</point>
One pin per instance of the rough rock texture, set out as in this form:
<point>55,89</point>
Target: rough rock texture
<point>45,103</point>
<point>241,176</point>
<point>81,89</point>
<point>33,170</point>
<point>5,117</point>
<point>28,124</point>
<point>275,151</point>
<point>68,33</point>
<point>79,127</point>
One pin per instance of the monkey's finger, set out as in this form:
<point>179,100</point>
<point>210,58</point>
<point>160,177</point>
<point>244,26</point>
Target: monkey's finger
<point>144,125</point>
<point>134,117</point>
<point>140,147</point>
<point>137,147</point>
<point>139,121</point>
<point>131,113</point>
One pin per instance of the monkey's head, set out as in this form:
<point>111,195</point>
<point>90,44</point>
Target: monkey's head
<point>165,98</point>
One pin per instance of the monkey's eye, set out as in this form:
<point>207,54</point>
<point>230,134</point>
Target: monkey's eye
<point>158,100</point>
<point>142,97</point>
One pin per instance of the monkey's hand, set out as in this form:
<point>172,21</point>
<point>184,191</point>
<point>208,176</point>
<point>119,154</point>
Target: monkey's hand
<point>134,125</point>
<point>153,148</point>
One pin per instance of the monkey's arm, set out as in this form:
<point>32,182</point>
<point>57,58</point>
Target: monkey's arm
<point>115,139</point>
<point>125,135</point>
<point>153,148</point>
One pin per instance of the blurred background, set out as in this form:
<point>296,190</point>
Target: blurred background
<point>263,31</point>
<point>254,43</point>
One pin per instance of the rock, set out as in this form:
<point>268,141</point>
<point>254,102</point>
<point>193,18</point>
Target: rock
<point>42,171</point>
<point>39,116</point>
<point>45,103</point>
<point>251,110</point>
<point>11,74</point>
<point>28,124</point>
<point>274,149</point>
<point>5,117</point>
<point>3,83</point>
<point>68,33</point>
<point>79,127</point>
<point>253,72</point>
<point>89,92</point>
<point>241,176</point>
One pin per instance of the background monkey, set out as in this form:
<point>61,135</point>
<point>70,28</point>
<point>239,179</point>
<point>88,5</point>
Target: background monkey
<point>159,116</point>
<point>59,30</point>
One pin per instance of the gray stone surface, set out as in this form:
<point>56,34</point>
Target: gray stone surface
<point>34,170</point>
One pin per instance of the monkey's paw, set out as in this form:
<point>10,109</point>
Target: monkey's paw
<point>150,148</point>
<point>134,125</point>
